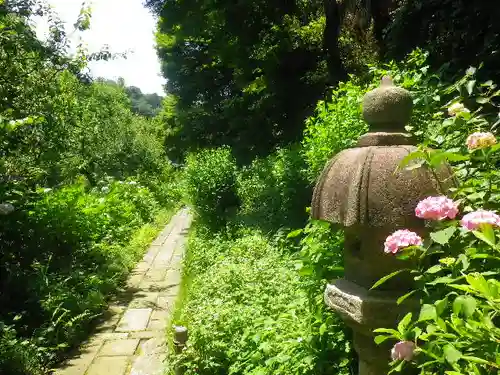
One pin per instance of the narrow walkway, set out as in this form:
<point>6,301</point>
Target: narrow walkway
<point>131,338</point>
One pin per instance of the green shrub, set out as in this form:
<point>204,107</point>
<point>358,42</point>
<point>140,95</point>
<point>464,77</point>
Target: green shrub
<point>211,185</point>
<point>274,191</point>
<point>320,260</point>
<point>249,311</point>
<point>62,256</point>
<point>18,356</point>
<point>335,126</point>
<point>338,123</point>
<point>167,186</point>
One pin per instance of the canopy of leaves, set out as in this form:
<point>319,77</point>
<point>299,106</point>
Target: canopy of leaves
<point>247,74</point>
<point>147,105</point>
<point>461,33</point>
<point>243,74</point>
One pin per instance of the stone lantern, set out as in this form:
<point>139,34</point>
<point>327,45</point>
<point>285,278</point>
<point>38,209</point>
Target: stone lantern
<point>364,191</point>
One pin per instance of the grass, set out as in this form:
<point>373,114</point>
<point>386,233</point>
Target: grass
<point>143,237</point>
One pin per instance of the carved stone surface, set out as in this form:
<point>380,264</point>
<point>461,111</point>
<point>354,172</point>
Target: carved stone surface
<point>365,191</point>
<point>364,309</point>
<point>364,185</point>
<point>387,107</point>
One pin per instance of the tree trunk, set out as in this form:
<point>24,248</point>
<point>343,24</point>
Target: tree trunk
<point>333,16</point>
<point>380,12</point>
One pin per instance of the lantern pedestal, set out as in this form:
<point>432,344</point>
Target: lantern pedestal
<point>363,311</point>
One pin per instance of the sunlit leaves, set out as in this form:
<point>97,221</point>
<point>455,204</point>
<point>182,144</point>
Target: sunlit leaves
<point>451,354</point>
<point>464,305</point>
<point>443,236</point>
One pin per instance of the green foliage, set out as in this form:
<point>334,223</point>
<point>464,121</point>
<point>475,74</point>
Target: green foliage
<point>19,357</point>
<point>320,260</point>
<point>338,123</point>
<point>75,167</point>
<point>146,105</point>
<point>66,252</point>
<point>228,275</point>
<point>248,75</point>
<point>211,185</point>
<point>55,125</point>
<point>274,191</point>
<point>249,312</point>
<point>244,77</point>
<point>335,126</point>
<point>450,30</point>
<point>456,273</point>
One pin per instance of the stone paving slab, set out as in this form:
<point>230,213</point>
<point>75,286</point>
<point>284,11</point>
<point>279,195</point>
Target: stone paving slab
<point>109,366</point>
<point>134,319</point>
<point>126,347</point>
<point>131,340</point>
<point>150,360</point>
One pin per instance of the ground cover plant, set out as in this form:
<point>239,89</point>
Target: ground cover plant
<point>250,311</point>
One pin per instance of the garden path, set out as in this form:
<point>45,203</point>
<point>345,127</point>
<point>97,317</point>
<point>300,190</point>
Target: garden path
<point>131,339</point>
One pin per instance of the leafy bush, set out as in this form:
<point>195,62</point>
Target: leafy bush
<point>167,186</point>
<point>274,191</point>
<point>336,126</point>
<point>320,259</point>
<point>338,123</point>
<point>249,312</point>
<point>211,185</point>
<point>456,283</point>
<point>61,257</point>
<point>18,356</point>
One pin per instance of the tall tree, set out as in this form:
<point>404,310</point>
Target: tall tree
<point>147,105</point>
<point>458,33</point>
<point>244,73</point>
<point>247,73</point>
<point>333,22</point>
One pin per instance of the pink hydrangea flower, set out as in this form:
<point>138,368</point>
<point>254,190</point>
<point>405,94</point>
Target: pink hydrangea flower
<point>400,239</point>
<point>476,219</point>
<point>480,140</point>
<point>436,208</point>
<point>403,350</point>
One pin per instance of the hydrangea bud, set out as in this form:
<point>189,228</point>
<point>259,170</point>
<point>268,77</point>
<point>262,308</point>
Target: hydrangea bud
<point>456,109</point>
<point>403,350</point>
